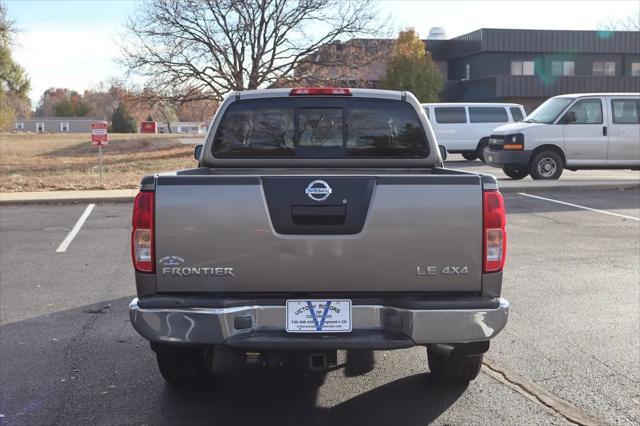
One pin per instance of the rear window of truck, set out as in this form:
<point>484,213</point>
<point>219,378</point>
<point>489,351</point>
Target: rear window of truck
<point>320,128</point>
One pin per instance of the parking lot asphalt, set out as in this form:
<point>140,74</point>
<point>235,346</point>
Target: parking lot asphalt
<point>69,355</point>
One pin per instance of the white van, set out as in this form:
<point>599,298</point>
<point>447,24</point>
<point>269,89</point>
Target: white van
<point>580,131</point>
<point>465,127</point>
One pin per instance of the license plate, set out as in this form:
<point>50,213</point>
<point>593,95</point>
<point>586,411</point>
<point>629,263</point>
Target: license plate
<point>319,316</point>
<point>489,157</point>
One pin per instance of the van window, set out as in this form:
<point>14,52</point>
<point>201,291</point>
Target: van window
<point>331,128</point>
<point>488,115</point>
<point>450,115</point>
<point>626,111</point>
<point>587,111</point>
<point>516,114</point>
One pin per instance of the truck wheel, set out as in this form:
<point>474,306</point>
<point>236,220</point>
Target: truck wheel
<point>443,152</point>
<point>470,156</point>
<point>184,366</point>
<point>515,173</point>
<point>546,165</point>
<point>461,368</point>
<point>482,149</point>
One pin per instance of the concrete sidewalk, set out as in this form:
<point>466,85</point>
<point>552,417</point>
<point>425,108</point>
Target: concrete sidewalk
<point>52,197</point>
<point>127,195</point>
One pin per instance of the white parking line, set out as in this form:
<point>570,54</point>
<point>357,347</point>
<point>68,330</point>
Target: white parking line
<point>72,234</point>
<point>580,207</point>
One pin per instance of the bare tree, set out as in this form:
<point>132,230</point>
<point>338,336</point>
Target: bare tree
<point>191,49</point>
<point>628,23</point>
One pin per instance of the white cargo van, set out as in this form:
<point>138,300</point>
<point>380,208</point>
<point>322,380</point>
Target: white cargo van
<point>579,131</point>
<point>465,127</point>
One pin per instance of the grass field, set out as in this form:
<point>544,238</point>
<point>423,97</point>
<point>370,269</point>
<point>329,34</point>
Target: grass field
<point>49,162</point>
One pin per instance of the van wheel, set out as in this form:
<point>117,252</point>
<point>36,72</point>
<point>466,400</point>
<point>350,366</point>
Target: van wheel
<point>515,173</point>
<point>482,149</point>
<point>443,152</point>
<point>470,156</point>
<point>184,366</point>
<point>461,368</point>
<point>546,165</point>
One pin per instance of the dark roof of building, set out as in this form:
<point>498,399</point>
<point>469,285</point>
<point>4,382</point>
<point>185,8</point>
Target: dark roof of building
<point>538,41</point>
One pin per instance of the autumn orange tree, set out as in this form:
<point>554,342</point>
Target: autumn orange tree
<point>411,68</point>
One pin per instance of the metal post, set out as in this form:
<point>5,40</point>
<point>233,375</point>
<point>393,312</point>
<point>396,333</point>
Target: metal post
<point>100,156</point>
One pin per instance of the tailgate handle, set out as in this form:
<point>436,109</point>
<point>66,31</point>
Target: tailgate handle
<point>318,215</point>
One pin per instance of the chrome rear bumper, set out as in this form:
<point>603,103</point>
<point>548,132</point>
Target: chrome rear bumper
<point>213,326</point>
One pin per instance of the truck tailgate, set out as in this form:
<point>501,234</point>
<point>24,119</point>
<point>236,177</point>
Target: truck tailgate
<point>280,234</point>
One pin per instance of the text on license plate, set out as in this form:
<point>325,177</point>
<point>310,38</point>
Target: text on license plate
<point>319,316</point>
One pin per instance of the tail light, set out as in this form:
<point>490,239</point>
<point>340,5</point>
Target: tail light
<point>494,233</point>
<point>324,91</point>
<point>142,238</point>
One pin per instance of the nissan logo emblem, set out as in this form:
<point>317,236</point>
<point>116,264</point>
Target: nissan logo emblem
<point>318,190</point>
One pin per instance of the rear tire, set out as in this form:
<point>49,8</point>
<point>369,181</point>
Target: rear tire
<point>482,149</point>
<point>515,173</point>
<point>184,366</point>
<point>470,156</point>
<point>461,368</point>
<point>546,165</point>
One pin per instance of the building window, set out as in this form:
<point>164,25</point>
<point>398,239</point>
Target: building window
<point>635,69</point>
<point>40,126</point>
<point>64,126</point>
<point>604,69</point>
<point>467,71</point>
<point>522,68</point>
<point>488,115</point>
<point>563,68</point>
<point>626,111</point>
<point>450,115</point>
<point>19,125</point>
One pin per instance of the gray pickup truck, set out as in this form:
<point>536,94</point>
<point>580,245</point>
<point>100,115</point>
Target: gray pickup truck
<point>317,220</point>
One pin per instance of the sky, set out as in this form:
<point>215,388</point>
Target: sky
<point>74,44</point>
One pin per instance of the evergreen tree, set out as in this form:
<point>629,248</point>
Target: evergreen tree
<point>122,121</point>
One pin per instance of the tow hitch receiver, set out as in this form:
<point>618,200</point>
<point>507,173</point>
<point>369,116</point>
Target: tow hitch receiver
<point>322,361</point>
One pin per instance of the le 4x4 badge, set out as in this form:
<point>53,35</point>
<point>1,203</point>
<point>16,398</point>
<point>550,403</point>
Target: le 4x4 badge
<point>443,270</point>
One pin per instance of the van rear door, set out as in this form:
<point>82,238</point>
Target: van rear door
<point>450,124</point>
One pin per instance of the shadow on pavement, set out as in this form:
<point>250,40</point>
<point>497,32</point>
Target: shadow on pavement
<point>88,366</point>
<point>287,397</point>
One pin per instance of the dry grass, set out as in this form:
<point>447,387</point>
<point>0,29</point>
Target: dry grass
<point>49,162</point>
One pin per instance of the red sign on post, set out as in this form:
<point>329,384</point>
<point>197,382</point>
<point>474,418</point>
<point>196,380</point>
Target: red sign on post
<point>99,136</point>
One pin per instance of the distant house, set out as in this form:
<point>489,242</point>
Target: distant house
<point>56,124</point>
<point>193,127</point>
